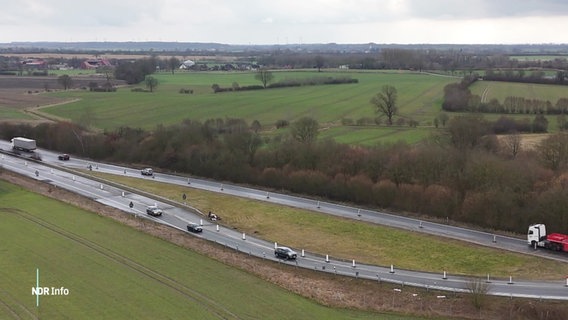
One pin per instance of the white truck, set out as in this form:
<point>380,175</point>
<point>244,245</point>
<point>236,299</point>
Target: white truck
<point>23,144</point>
<point>537,237</point>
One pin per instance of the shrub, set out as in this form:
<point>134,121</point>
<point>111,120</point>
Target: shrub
<point>412,123</point>
<point>282,124</point>
<point>186,91</point>
<point>384,193</point>
<point>365,121</point>
<point>111,89</point>
<point>252,87</point>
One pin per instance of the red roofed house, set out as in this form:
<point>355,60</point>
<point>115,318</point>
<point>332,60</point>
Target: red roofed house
<point>95,63</point>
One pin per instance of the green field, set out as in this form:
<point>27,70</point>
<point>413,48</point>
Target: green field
<point>500,90</point>
<point>370,136</point>
<point>115,272</point>
<point>13,114</point>
<point>420,97</point>
<point>538,57</point>
<point>350,239</point>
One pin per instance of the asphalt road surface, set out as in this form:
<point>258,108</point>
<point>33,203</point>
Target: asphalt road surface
<point>178,215</point>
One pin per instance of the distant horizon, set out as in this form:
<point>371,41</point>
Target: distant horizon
<point>292,44</point>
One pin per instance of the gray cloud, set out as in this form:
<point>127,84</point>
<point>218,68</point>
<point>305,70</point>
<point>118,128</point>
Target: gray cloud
<point>482,9</point>
<point>271,21</point>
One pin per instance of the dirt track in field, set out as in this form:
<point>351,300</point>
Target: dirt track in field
<point>28,94</point>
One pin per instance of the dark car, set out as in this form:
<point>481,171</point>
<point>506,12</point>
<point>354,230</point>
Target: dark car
<point>154,211</point>
<point>147,172</point>
<point>63,157</point>
<point>194,227</point>
<point>285,253</point>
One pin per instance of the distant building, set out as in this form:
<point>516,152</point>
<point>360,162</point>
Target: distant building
<point>187,64</point>
<point>95,63</point>
<point>34,64</point>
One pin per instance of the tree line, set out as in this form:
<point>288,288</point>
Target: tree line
<point>535,76</point>
<point>463,172</point>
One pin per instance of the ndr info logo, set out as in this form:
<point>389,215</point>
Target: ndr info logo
<point>47,291</point>
<point>50,291</point>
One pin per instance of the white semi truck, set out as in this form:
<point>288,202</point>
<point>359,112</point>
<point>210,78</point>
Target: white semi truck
<point>23,144</point>
<point>537,237</point>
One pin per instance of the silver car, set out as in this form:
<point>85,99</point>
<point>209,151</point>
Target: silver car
<point>154,211</point>
<point>285,253</point>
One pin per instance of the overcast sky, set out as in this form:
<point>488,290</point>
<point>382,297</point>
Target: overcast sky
<point>287,21</point>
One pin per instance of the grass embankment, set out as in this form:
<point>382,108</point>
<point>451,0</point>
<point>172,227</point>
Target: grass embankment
<point>115,272</point>
<point>349,239</point>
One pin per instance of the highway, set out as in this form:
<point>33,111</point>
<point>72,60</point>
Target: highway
<point>62,175</point>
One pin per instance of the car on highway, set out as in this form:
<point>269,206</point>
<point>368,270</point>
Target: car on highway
<point>147,172</point>
<point>194,227</point>
<point>285,253</point>
<point>63,157</point>
<point>154,211</point>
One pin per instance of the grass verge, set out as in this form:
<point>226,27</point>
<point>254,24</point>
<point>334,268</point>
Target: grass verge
<point>116,272</point>
<point>349,239</point>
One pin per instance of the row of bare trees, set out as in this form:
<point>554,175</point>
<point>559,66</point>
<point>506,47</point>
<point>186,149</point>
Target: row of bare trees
<point>463,172</point>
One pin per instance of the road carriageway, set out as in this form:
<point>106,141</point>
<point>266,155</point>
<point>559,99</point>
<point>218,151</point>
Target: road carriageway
<point>177,215</point>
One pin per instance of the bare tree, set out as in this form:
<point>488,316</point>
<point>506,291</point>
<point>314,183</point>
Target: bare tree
<point>478,289</point>
<point>513,144</point>
<point>87,117</point>
<point>385,102</point>
<point>319,62</point>
<point>305,130</point>
<point>443,117</point>
<point>467,132</point>
<point>151,83</point>
<point>173,63</point>
<point>264,75</point>
<point>553,151</point>
<point>255,126</point>
<point>108,72</point>
<point>65,80</point>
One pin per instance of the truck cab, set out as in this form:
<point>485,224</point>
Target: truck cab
<point>536,235</point>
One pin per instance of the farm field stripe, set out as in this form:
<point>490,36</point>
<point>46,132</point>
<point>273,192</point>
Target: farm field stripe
<point>167,281</point>
<point>5,296</point>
